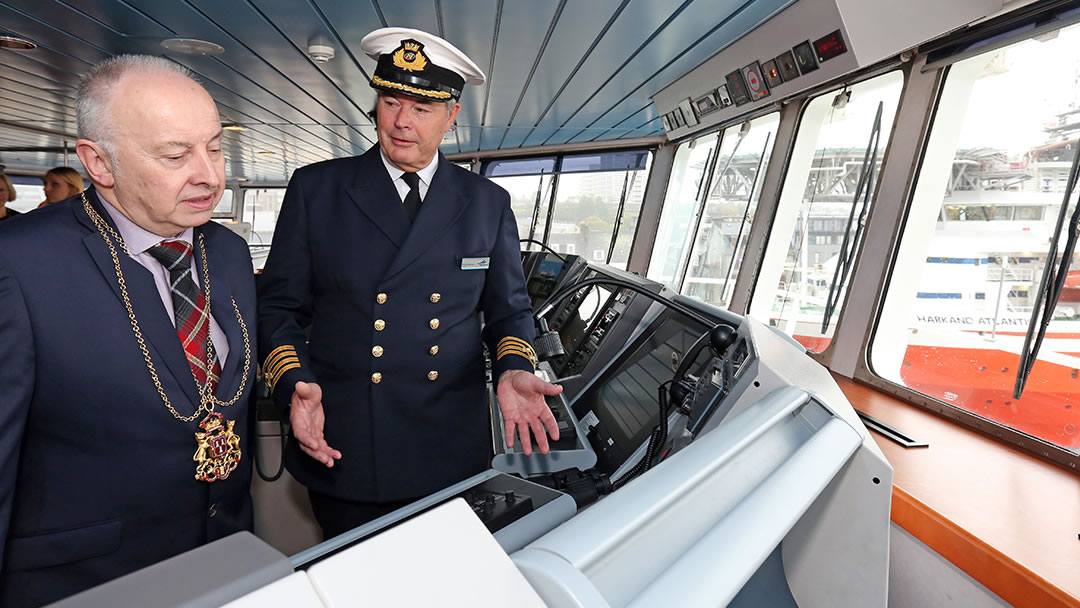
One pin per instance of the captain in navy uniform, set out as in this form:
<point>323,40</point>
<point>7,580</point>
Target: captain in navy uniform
<point>388,273</point>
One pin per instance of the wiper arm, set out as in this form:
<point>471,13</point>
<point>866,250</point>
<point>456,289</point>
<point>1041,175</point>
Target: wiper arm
<point>746,214</point>
<point>1053,281</point>
<point>846,257</point>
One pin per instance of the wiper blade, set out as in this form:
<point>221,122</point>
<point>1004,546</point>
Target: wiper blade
<point>746,215</point>
<point>1053,281</point>
<point>864,189</point>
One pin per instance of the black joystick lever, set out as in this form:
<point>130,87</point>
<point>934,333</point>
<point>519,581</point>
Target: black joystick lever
<point>548,343</point>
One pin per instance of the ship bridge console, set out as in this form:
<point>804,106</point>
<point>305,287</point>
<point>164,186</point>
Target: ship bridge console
<point>706,459</point>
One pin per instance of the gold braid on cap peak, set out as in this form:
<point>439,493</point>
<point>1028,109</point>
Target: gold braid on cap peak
<point>516,346</point>
<point>279,361</point>
<point>408,89</point>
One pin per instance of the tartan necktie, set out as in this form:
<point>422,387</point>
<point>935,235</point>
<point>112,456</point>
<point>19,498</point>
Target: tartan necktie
<point>189,309</point>
<point>412,199</point>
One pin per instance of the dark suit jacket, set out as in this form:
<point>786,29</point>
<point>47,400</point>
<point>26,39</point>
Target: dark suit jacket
<point>342,239</point>
<point>97,477</point>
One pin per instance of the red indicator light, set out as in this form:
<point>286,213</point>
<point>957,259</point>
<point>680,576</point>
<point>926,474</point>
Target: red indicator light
<point>830,46</point>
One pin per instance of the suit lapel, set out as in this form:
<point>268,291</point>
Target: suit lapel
<point>374,193</point>
<point>159,332</point>
<point>221,298</point>
<point>441,208</point>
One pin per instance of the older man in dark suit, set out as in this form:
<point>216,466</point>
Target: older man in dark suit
<point>126,331</point>
<point>388,259</point>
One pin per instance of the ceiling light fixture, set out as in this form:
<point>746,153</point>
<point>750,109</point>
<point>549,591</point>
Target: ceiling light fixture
<point>192,46</point>
<point>232,126</point>
<point>16,44</point>
<point>265,153</point>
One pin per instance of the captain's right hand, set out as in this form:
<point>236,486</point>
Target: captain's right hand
<point>307,419</point>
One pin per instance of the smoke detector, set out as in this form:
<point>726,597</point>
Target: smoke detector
<point>320,53</point>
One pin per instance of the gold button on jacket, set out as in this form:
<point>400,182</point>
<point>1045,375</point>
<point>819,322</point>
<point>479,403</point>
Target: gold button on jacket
<point>376,378</point>
<point>435,297</point>
<point>433,376</point>
<point>381,298</point>
<point>376,351</point>
<point>380,325</point>
<point>434,324</point>
<point>434,350</point>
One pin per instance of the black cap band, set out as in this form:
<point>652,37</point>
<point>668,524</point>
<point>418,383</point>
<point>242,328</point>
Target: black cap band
<point>420,78</point>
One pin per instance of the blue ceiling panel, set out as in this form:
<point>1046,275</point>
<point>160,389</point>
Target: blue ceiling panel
<point>558,70</point>
<point>470,26</point>
<point>637,22</point>
<point>569,46</point>
<point>747,17</point>
<point>680,38</point>
<point>522,32</point>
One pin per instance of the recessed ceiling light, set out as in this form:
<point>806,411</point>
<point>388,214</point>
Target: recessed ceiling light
<point>233,127</point>
<point>16,43</point>
<point>265,153</point>
<point>241,179</point>
<point>192,46</point>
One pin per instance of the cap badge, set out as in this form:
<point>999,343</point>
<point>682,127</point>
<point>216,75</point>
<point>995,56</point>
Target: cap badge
<point>410,56</point>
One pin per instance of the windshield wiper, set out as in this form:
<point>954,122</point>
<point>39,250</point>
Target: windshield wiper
<point>746,215</point>
<point>864,189</point>
<point>1053,280</point>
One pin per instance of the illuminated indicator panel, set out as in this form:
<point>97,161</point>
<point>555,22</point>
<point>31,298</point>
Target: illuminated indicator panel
<point>829,46</point>
<point>755,84</point>
<point>736,87</point>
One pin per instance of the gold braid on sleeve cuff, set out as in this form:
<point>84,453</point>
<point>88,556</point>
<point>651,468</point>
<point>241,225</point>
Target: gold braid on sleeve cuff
<point>279,361</point>
<point>515,346</point>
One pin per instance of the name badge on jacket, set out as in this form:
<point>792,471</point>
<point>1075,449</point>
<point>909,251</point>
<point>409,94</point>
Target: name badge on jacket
<point>475,263</point>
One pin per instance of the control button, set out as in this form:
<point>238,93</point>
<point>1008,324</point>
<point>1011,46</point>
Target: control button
<point>376,351</point>
<point>434,323</point>
<point>380,325</point>
<point>435,297</point>
<point>434,350</point>
<point>213,511</point>
<point>376,378</point>
<point>381,298</point>
<point>433,375</point>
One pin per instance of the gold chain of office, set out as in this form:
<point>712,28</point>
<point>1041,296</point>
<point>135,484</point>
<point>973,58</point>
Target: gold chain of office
<point>207,398</point>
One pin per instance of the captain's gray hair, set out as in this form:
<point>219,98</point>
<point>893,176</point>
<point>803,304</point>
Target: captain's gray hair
<point>92,100</point>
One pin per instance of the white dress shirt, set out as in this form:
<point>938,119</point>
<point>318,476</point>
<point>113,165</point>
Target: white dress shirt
<point>138,240</point>
<point>425,174</point>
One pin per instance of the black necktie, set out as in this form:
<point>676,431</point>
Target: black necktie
<point>412,199</point>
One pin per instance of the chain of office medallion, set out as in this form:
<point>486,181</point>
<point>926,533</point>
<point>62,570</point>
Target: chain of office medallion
<point>208,400</point>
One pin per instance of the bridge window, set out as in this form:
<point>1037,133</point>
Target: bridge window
<point>1004,137</point>
<point>724,228</point>
<point>827,192</point>
<point>681,208</point>
<point>261,209</point>
<point>577,202</point>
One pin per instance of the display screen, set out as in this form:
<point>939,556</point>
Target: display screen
<point>805,57</point>
<point>624,403</point>
<point>585,308</point>
<point>830,46</point>
<point>786,64</point>
<point>706,104</point>
<point>722,96</point>
<point>755,83</point>
<point>736,87</point>
<point>772,73</point>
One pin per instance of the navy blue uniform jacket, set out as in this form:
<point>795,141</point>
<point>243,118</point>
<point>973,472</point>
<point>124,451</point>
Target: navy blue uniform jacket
<point>97,477</point>
<point>395,330</point>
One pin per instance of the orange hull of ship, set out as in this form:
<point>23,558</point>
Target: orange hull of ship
<point>981,381</point>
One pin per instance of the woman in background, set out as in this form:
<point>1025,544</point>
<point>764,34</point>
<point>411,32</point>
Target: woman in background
<point>60,183</point>
<point>7,193</point>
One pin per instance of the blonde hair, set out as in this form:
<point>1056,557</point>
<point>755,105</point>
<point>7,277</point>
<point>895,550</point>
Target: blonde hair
<point>6,183</point>
<point>69,175</point>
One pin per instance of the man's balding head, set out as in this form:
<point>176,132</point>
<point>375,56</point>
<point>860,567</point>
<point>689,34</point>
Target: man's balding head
<point>150,138</point>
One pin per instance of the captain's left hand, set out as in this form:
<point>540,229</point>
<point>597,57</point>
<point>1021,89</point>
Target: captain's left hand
<point>521,401</point>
